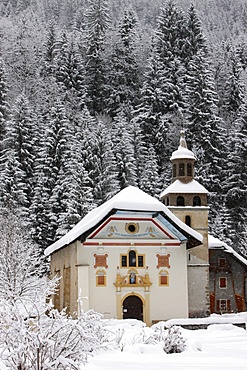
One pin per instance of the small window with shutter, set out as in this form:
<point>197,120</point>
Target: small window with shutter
<point>223,305</point>
<point>222,282</point>
<point>163,278</point>
<point>100,278</point>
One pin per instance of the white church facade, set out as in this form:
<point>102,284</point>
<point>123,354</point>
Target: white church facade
<point>138,257</point>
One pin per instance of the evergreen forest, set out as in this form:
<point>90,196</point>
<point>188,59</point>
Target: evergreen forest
<point>94,93</point>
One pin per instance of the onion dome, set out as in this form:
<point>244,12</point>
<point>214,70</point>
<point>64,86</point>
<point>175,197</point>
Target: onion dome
<point>182,152</point>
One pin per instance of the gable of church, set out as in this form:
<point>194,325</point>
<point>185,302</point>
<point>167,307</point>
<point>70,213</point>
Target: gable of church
<point>139,228</point>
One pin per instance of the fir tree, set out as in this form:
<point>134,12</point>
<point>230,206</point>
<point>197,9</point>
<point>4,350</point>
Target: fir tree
<point>140,148</point>
<point>169,48</point>
<point>49,49</point>
<point>153,103</point>
<point>163,87</point>
<point>150,178</point>
<point>204,126</point>
<point>205,129</point>
<point>123,78</point>
<point>44,213</point>
<point>3,99</point>
<point>229,77</point>
<point>4,110</point>
<point>236,180</point>
<point>101,162</point>
<point>68,65</point>
<point>123,148</point>
<point>97,22</point>
<point>72,192</point>
<point>234,88</point>
<point>195,40</point>
<point>20,155</point>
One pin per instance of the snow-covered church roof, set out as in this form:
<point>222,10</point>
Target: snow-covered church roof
<point>129,199</point>
<point>186,188</point>
<point>215,243</point>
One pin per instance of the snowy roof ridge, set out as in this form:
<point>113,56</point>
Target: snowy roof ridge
<point>130,198</point>
<point>180,187</point>
<point>215,243</point>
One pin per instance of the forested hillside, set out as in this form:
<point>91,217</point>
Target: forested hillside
<point>93,94</point>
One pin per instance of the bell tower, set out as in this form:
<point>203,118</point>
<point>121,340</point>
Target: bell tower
<point>187,199</point>
<point>183,161</point>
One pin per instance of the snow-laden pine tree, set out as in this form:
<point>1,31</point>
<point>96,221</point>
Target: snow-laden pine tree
<point>150,181</point>
<point>63,192</point>
<point>48,166</point>
<point>25,54</point>
<point>236,180</point>
<point>205,129</point>
<point>170,46</point>
<point>230,81</point>
<point>140,147</point>
<point>100,161</point>
<point>97,22</point>
<point>152,101</point>
<point>123,75</point>
<point>69,69</point>
<point>3,111</point>
<point>49,49</point>
<point>3,99</point>
<point>235,89</point>
<point>123,148</point>
<point>20,143</point>
<point>162,92</point>
<point>195,39</point>
<point>73,192</point>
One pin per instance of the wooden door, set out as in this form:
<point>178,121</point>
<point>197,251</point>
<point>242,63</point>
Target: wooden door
<point>133,308</point>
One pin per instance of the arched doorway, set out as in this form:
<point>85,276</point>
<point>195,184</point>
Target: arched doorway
<point>133,308</point>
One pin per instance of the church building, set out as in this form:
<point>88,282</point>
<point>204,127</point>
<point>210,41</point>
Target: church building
<point>139,257</point>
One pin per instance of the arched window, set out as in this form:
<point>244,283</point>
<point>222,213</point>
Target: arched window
<point>174,170</point>
<point>132,258</point>
<point>167,201</point>
<point>180,201</point>
<point>181,169</point>
<point>188,220</point>
<point>163,278</point>
<point>196,201</point>
<point>189,169</point>
<point>100,278</point>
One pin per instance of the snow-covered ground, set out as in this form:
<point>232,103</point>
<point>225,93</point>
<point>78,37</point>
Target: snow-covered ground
<point>220,346</point>
<point>132,345</point>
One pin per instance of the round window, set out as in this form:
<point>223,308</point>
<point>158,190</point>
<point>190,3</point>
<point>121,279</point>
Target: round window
<point>132,228</point>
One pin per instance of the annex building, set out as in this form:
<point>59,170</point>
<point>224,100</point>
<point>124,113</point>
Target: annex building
<point>148,259</point>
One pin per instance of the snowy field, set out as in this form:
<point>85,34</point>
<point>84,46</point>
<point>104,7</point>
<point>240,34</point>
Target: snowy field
<point>220,346</point>
<point>130,345</point>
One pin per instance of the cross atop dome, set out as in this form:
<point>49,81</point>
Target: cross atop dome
<point>182,143</point>
<point>182,152</point>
